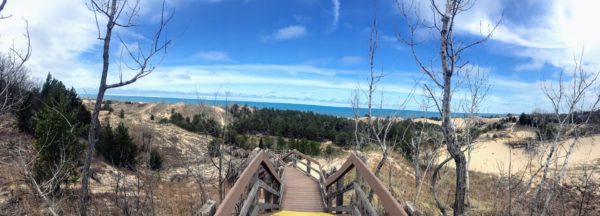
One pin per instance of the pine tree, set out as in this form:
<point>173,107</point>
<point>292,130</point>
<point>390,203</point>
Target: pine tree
<point>105,141</point>
<point>56,140</point>
<point>117,147</point>
<point>124,151</point>
<point>155,160</point>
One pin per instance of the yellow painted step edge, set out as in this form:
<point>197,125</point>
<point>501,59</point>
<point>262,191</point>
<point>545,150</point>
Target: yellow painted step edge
<point>297,213</point>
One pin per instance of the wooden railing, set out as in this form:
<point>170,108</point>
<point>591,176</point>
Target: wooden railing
<point>243,198</point>
<point>261,174</point>
<point>361,204</point>
<point>300,158</point>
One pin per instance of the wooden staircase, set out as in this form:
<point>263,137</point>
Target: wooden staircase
<point>295,184</point>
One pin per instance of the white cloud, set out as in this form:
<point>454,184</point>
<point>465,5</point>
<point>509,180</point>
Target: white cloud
<point>553,37</point>
<point>351,60</point>
<point>213,56</point>
<point>286,33</point>
<point>542,32</point>
<point>60,31</point>
<point>336,11</point>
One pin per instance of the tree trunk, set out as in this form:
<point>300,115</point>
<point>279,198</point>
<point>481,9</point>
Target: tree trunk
<point>94,122</point>
<point>447,128</point>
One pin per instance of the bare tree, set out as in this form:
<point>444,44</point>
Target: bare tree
<point>425,148</point>
<point>45,190</point>
<point>120,14</point>
<point>477,84</point>
<point>57,173</point>
<point>2,8</point>
<point>222,165</point>
<point>376,130</point>
<point>14,79</point>
<point>569,96</point>
<point>451,65</point>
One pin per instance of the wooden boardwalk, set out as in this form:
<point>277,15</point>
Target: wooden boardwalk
<point>301,192</point>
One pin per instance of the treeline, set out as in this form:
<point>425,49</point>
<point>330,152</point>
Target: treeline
<point>291,124</point>
<point>288,129</point>
<point>199,123</point>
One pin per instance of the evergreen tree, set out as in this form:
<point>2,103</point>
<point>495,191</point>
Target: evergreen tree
<point>56,140</point>
<point>122,114</point>
<point>52,92</point>
<point>155,160</point>
<point>105,141</point>
<point>27,110</point>
<point>213,147</point>
<point>117,147</point>
<point>124,151</point>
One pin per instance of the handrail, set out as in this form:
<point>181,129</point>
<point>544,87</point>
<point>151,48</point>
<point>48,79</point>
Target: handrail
<point>296,152</point>
<point>391,206</point>
<point>389,202</point>
<point>228,204</point>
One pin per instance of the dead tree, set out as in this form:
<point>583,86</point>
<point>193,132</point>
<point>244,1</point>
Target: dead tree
<point>2,8</point>
<point>569,96</point>
<point>14,80</point>
<point>142,61</point>
<point>477,84</point>
<point>451,65</point>
<point>376,131</point>
<point>425,149</point>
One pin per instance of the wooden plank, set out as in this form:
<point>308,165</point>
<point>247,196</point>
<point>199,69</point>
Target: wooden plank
<point>250,199</point>
<point>302,193</point>
<point>264,185</point>
<point>340,191</point>
<point>341,209</point>
<point>355,211</point>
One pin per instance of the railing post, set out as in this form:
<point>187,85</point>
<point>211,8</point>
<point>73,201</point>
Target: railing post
<point>358,183</point>
<point>295,158</point>
<point>308,167</point>
<point>328,199</point>
<point>339,199</point>
<point>267,194</point>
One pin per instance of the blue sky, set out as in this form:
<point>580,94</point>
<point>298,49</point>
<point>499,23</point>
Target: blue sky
<point>308,51</point>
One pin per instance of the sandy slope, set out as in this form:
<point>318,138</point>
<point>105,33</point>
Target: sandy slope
<point>495,156</point>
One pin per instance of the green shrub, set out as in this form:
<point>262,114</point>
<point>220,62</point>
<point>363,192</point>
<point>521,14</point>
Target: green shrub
<point>122,114</point>
<point>52,92</point>
<point>56,139</point>
<point>214,147</point>
<point>328,151</point>
<point>546,131</point>
<point>199,123</point>
<point>106,106</point>
<point>117,147</point>
<point>281,143</point>
<point>155,161</point>
<point>27,110</point>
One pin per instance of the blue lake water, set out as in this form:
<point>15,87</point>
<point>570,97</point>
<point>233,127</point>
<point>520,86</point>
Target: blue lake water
<point>327,110</point>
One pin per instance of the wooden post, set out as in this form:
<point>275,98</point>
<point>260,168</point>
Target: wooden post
<point>295,160</point>
<point>339,199</point>
<point>267,194</point>
<point>328,199</point>
<point>358,183</point>
<point>308,167</point>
